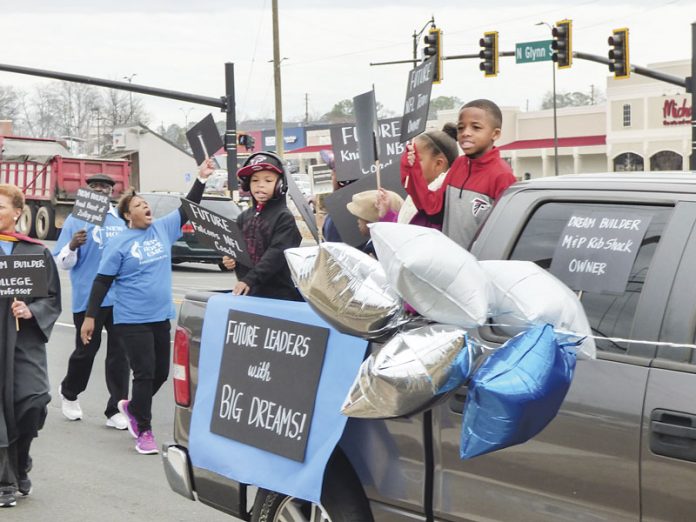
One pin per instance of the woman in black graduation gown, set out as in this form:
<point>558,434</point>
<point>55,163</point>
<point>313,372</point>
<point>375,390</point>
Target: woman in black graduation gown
<point>24,388</point>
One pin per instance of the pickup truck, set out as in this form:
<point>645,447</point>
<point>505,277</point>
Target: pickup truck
<point>623,446</point>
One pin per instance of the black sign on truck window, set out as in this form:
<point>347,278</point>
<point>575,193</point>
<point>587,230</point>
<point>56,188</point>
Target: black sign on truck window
<point>418,89</point>
<point>268,382</point>
<point>217,231</point>
<point>596,250</point>
<point>344,143</point>
<point>23,276</point>
<point>91,206</point>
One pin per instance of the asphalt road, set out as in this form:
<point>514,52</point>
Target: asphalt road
<point>84,471</point>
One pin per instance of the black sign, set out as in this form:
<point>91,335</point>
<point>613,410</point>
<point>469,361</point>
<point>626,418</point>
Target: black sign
<point>268,382</point>
<point>366,127</point>
<point>347,157</point>
<point>418,88</point>
<point>300,201</point>
<point>597,249</point>
<point>91,206</point>
<point>347,223</point>
<point>23,276</point>
<point>217,231</point>
<point>204,139</point>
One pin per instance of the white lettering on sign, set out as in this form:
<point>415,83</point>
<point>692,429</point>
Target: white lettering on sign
<point>37,263</point>
<point>261,371</point>
<point>421,76</point>
<point>283,421</point>
<point>581,222</point>
<point>620,224</point>
<point>288,343</point>
<point>587,266</point>
<point>228,404</point>
<point>242,334</point>
<point>204,215</point>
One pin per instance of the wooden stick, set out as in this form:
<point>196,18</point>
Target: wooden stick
<point>378,174</point>
<point>16,318</point>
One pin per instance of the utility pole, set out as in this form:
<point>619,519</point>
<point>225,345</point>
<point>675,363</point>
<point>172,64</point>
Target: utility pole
<point>276,81</point>
<point>129,79</point>
<point>306,107</point>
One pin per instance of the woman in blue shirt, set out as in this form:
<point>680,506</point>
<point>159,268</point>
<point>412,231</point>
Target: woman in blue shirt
<point>138,263</point>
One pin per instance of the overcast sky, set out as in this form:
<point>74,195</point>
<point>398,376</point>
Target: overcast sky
<point>328,44</point>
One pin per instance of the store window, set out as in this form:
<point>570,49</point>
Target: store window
<point>627,115</point>
<point>666,160</point>
<point>627,162</point>
<point>610,315</point>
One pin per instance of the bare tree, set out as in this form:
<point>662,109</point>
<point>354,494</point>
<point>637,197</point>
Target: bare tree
<point>9,103</point>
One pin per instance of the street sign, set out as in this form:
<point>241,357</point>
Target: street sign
<point>529,52</point>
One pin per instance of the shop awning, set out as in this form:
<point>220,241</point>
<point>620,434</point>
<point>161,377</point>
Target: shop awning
<point>547,143</point>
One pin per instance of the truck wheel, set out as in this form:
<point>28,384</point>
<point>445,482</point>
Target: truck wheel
<point>26,224</point>
<point>342,500</point>
<point>45,222</point>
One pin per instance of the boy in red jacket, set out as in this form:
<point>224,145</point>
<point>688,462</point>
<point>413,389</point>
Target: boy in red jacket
<point>474,182</point>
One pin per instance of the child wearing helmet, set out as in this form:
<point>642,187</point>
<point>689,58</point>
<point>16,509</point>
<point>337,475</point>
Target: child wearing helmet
<point>268,228</point>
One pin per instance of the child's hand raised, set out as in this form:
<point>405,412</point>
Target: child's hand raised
<point>382,203</point>
<point>411,153</point>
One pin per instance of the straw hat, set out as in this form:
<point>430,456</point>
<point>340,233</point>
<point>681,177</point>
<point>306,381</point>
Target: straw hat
<point>363,205</point>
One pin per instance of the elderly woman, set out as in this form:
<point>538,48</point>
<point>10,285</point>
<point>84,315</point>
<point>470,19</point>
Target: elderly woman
<point>24,330</point>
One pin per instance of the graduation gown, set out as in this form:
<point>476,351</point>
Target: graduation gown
<point>23,369</point>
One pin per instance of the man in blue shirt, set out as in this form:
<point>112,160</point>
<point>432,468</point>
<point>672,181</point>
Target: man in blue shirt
<point>79,249</point>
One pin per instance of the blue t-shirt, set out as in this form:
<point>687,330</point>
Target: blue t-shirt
<point>88,255</point>
<point>141,260</point>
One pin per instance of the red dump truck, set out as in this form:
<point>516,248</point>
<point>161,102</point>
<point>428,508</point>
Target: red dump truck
<point>49,178</point>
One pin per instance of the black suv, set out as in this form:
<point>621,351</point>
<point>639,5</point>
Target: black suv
<point>188,248</point>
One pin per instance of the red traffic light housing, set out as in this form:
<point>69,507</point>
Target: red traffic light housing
<point>433,48</point>
<point>619,62</point>
<point>489,53</point>
<point>563,44</point>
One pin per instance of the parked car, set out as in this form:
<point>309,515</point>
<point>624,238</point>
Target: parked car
<point>188,249</point>
<point>623,446</point>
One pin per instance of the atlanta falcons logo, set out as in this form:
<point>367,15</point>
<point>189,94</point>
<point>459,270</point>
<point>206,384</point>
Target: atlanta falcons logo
<point>478,206</point>
<point>258,159</point>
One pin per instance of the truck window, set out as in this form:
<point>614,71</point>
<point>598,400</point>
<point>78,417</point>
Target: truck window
<point>610,315</point>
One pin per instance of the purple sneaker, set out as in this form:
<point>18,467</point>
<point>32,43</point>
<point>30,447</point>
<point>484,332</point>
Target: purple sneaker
<point>146,444</point>
<point>132,423</point>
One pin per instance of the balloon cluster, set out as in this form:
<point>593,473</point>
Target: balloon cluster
<point>513,390</point>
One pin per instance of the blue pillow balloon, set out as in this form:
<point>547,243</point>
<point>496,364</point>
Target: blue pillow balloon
<point>516,392</point>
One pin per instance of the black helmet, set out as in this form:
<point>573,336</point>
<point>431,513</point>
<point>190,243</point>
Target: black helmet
<point>264,160</point>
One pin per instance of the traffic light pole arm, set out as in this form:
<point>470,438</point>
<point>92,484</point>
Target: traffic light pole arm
<point>643,71</point>
<point>124,86</point>
<point>454,57</point>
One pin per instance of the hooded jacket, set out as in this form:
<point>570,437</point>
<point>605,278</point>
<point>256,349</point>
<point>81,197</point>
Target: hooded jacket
<point>467,195</point>
<point>268,230</point>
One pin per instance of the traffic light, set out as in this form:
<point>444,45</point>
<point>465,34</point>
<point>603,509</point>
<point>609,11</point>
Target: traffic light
<point>433,47</point>
<point>619,63</point>
<point>489,53</point>
<point>563,44</point>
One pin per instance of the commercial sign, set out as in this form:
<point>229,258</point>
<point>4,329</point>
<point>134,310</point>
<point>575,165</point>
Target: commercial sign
<point>675,112</point>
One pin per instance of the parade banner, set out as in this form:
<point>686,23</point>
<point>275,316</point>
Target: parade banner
<point>418,89</point>
<point>91,206</point>
<point>23,276</point>
<point>247,463</point>
<point>344,143</point>
<point>218,232</point>
<point>597,249</point>
<point>204,139</point>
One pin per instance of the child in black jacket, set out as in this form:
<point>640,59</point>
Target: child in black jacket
<point>268,228</point>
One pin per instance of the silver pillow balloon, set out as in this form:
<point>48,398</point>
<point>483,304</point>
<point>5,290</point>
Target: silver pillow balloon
<point>433,274</point>
<point>347,288</point>
<point>407,372</point>
<point>527,295</point>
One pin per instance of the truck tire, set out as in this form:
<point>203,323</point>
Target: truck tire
<point>45,223</point>
<point>342,500</point>
<point>26,224</point>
